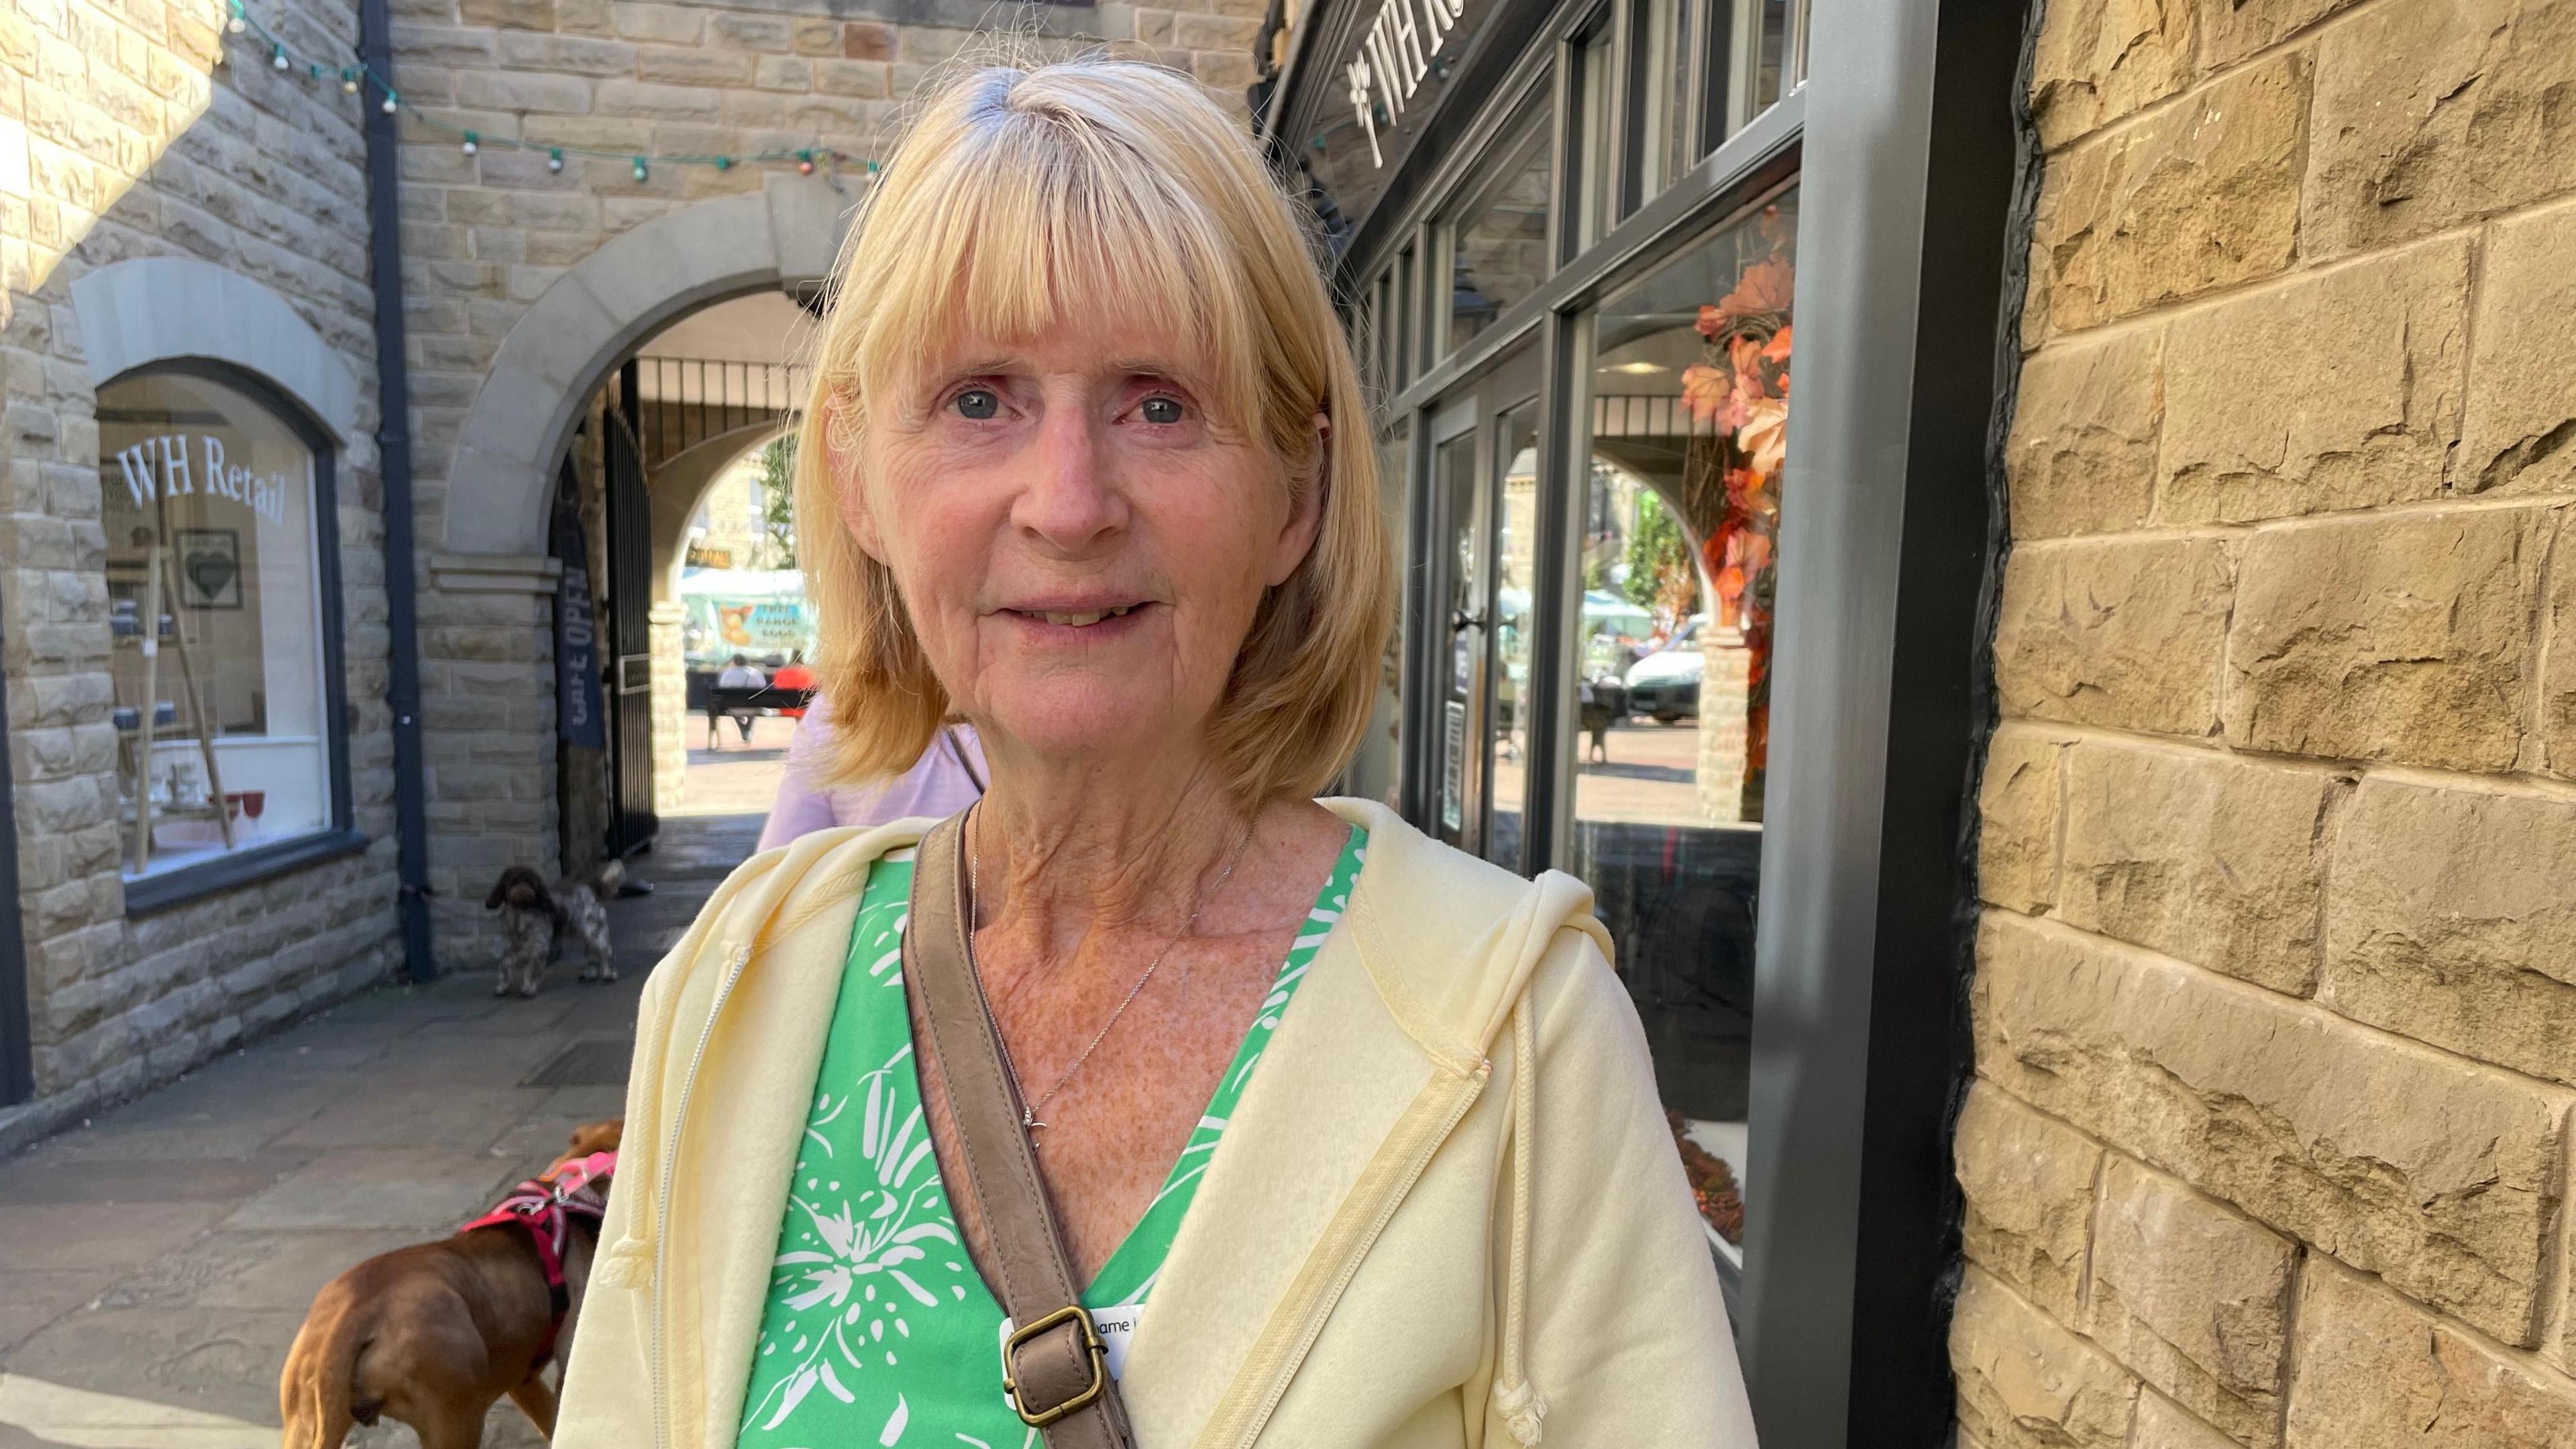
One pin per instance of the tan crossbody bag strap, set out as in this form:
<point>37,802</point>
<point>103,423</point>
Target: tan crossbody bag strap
<point>1055,1368</point>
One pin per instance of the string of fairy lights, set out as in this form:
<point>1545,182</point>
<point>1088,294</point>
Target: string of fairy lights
<point>359,78</point>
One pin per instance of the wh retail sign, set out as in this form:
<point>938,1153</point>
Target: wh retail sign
<point>1394,56</point>
<point>162,468</point>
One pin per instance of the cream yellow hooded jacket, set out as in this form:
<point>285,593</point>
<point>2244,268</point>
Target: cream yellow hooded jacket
<point>1446,1214</point>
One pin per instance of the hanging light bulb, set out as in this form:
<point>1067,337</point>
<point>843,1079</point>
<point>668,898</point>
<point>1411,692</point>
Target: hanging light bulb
<point>639,168</point>
<point>469,143</point>
<point>348,82</point>
<point>277,57</point>
<point>239,22</point>
<point>392,103</point>
<point>805,163</point>
<point>554,158</point>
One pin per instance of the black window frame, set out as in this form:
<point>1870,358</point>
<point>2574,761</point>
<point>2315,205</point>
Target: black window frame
<point>153,894</point>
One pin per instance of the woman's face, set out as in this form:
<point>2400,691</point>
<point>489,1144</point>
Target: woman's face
<point>1080,542</point>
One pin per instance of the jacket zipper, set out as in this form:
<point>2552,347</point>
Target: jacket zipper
<point>662,1191</point>
<point>1474,1087</point>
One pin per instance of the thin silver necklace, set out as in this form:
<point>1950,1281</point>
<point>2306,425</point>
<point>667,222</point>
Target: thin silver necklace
<point>974,894</point>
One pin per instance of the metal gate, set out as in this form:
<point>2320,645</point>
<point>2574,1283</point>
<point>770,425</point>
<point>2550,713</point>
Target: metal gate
<point>631,822</point>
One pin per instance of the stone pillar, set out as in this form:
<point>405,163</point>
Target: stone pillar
<point>488,712</point>
<point>670,709</point>
<point>1725,688</point>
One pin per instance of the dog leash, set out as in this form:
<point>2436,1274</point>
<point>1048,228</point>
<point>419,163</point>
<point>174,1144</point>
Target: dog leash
<point>545,1206</point>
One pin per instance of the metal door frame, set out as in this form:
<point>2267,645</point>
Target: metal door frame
<point>1441,625</point>
<point>632,823</point>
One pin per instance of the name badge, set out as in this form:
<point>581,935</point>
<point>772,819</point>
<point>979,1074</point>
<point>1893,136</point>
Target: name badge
<point>1117,1327</point>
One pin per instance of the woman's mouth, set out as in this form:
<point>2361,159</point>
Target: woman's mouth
<point>1077,619</point>
<point>1089,624</point>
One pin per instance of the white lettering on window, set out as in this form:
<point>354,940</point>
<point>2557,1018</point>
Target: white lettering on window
<point>1359,76</point>
<point>216,481</point>
<point>1393,55</point>
<point>159,468</point>
<point>174,467</point>
<point>137,464</point>
<point>1407,39</point>
<point>1391,81</point>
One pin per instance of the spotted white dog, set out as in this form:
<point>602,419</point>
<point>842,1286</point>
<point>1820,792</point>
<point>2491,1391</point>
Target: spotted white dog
<point>534,918</point>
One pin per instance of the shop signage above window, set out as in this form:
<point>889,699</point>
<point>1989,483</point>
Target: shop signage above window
<point>159,467</point>
<point>1378,74</point>
<point>1393,56</point>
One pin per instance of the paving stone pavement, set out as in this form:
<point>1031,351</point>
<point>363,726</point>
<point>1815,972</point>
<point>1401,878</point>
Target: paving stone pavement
<point>156,1262</point>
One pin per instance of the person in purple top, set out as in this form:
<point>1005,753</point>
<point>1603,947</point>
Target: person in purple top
<point>948,778</point>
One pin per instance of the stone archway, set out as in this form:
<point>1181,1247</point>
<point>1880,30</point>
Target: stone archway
<point>489,700</point>
<point>678,487</point>
<point>782,236</point>
<point>682,483</point>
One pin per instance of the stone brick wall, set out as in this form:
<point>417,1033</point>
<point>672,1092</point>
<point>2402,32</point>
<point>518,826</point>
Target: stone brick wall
<point>122,135</point>
<point>2275,1010</point>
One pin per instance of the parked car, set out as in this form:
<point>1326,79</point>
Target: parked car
<point>1665,684</point>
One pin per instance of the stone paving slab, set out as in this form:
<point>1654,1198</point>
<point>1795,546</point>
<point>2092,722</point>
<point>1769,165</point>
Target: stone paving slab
<point>423,1188</point>
<point>156,1262</point>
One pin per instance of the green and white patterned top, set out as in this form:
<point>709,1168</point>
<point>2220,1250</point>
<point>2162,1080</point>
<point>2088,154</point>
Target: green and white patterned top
<point>878,1329</point>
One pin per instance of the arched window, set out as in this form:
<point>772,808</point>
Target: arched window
<point>223,600</point>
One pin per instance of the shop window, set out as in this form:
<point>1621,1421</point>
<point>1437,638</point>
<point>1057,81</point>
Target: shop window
<point>1593,154</point>
<point>1515,570</point>
<point>1379,354</point>
<point>1701,71</point>
<point>1498,237</point>
<point>216,508</point>
<point>1686,441</point>
<point>1400,332</point>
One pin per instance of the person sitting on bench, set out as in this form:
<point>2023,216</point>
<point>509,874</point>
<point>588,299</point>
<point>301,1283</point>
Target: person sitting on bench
<point>740,674</point>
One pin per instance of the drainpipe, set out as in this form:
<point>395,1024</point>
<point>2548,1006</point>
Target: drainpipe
<point>393,464</point>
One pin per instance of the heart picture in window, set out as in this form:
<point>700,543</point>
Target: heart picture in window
<point>209,568</point>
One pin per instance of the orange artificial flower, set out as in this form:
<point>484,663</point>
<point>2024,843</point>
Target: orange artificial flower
<point>1764,437</point>
<point>1704,391</point>
<point>1765,287</point>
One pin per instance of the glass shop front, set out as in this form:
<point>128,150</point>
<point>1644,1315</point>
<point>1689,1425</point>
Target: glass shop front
<point>1572,291</point>
<point>215,501</point>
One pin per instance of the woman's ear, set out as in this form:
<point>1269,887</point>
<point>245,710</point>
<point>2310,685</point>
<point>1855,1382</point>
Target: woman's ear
<point>842,447</point>
<point>1305,510</point>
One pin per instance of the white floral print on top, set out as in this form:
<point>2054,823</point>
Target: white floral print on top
<point>877,1328</point>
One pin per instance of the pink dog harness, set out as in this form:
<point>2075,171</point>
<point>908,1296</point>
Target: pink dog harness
<point>546,1207</point>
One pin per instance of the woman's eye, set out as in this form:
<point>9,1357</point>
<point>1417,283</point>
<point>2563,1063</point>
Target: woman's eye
<point>1161,410</point>
<point>978,403</point>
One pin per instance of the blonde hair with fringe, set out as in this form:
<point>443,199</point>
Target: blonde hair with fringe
<point>1119,188</point>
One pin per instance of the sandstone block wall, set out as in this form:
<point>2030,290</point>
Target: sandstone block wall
<point>2275,1007</point>
<point>124,133</point>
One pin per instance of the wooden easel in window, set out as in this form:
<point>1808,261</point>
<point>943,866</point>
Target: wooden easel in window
<point>157,577</point>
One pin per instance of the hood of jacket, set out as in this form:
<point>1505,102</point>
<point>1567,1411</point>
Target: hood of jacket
<point>1392,1041</point>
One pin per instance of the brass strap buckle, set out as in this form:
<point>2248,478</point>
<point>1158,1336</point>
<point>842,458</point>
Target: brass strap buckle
<point>1070,1313</point>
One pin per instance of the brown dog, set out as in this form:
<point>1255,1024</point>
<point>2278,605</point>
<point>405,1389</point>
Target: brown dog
<point>433,1335</point>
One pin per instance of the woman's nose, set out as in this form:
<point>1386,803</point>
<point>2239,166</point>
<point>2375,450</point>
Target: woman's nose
<point>1071,501</point>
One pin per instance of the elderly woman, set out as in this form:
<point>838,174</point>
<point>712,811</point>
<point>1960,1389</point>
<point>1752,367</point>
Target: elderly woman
<point>1352,1138</point>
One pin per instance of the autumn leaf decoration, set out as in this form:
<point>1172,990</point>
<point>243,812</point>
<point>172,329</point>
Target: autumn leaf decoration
<point>1714,1190</point>
<point>1737,396</point>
